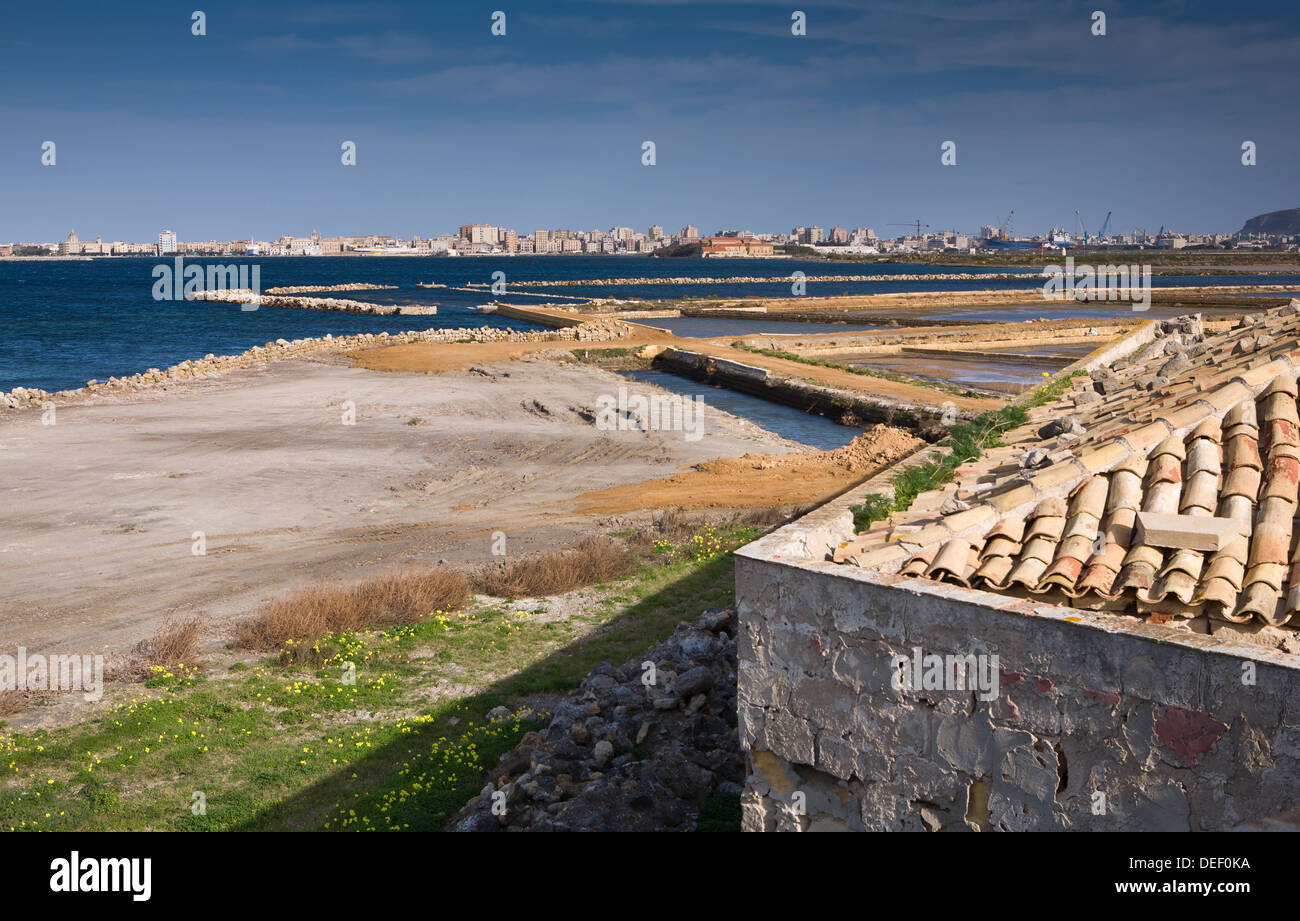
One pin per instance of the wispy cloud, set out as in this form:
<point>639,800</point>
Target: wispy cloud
<point>389,47</point>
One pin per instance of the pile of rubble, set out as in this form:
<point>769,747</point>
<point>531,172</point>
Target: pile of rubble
<point>636,748</point>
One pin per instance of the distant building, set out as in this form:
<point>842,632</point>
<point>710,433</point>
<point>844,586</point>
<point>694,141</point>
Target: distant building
<point>481,234</point>
<point>75,247</point>
<point>734,246</point>
<point>656,232</point>
<point>690,233</point>
<point>839,235</point>
<point>166,242</point>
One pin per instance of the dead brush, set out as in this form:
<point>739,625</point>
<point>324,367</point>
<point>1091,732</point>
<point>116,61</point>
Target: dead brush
<point>394,598</point>
<point>12,702</point>
<point>173,647</point>
<point>589,562</point>
<point>671,523</point>
<point>765,518</point>
<point>175,643</point>
<point>675,526</point>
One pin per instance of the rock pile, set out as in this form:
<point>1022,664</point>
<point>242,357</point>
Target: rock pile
<point>245,296</point>
<point>624,754</point>
<point>747,279</point>
<point>600,330</point>
<point>309,289</point>
<point>27,397</point>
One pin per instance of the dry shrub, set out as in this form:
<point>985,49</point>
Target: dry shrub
<point>388,600</point>
<point>671,523</point>
<point>590,561</point>
<point>766,518</point>
<point>674,525</point>
<point>12,702</point>
<point>175,642</point>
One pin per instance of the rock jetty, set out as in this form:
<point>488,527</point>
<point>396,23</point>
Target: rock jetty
<point>312,289</point>
<point>757,279</point>
<point>208,365</point>
<point>245,296</point>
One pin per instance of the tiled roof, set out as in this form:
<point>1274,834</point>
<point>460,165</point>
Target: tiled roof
<point>1164,485</point>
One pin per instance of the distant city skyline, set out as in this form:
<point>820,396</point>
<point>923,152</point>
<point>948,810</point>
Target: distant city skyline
<point>481,239</point>
<point>881,231</point>
<point>241,132</point>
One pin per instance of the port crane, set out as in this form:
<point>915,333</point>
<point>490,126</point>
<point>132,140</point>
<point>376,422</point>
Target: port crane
<point>917,224</point>
<point>1004,227</point>
<point>1105,225</point>
<point>1083,230</point>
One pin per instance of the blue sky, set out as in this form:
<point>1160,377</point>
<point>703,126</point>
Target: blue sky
<point>238,132</point>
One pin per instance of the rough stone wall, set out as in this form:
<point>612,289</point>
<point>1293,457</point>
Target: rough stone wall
<point>1156,720</point>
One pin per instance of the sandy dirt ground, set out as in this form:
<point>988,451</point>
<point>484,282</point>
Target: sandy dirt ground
<point>784,479</point>
<point>99,511</point>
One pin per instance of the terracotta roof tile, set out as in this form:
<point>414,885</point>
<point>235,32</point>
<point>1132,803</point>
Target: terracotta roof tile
<point>1229,452</point>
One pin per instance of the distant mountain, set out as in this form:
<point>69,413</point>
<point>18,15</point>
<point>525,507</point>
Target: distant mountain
<point>1274,222</point>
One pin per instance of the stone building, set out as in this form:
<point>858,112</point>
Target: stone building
<point>1092,628</point>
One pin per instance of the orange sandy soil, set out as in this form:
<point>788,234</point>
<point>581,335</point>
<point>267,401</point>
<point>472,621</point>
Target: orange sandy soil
<point>760,479</point>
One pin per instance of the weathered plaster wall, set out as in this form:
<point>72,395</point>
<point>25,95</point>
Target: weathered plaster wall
<point>1156,719</point>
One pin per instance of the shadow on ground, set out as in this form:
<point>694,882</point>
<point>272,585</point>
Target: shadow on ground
<point>384,786</point>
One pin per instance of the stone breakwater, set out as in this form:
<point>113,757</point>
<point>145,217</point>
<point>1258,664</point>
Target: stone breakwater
<point>208,365</point>
<point>760,279</point>
<point>310,289</point>
<point>245,296</point>
<point>623,755</point>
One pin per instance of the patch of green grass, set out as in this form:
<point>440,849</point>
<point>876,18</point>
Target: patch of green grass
<point>603,353</point>
<point>1050,392</point>
<point>965,442</point>
<point>398,739</point>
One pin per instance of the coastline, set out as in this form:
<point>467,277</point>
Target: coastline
<point>284,490</point>
<point>20,398</point>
